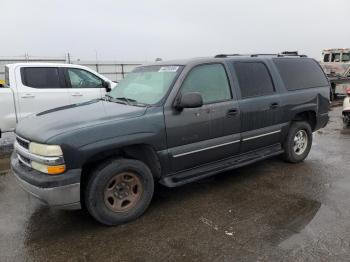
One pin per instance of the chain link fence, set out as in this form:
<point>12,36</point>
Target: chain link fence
<point>113,70</point>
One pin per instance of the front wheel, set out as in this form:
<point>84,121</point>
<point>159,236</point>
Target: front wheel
<point>119,191</point>
<point>298,142</point>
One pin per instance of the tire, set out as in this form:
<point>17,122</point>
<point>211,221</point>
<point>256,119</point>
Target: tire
<point>112,185</point>
<point>295,152</point>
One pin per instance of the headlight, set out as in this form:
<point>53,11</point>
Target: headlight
<point>45,150</point>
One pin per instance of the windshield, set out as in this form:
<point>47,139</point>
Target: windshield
<point>147,84</point>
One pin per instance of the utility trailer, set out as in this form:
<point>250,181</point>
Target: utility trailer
<point>336,64</point>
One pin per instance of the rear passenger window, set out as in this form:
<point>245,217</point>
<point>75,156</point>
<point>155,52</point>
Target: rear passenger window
<point>254,79</point>
<point>210,81</point>
<point>40,77</point>
<point>300,73</point>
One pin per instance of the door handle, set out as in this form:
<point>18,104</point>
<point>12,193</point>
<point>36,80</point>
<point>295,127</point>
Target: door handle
<point>274,105</point>
<point>232,112</point>
<point>77,94</point>
<point>28,95</point>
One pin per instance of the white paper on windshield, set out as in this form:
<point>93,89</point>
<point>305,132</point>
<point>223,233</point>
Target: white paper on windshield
<point>168,69</point>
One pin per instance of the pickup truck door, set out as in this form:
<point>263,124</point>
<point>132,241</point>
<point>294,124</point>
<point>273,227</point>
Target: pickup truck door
<point>39,89</point>
<point>259,104</point>
<point>198,136</point>
<point>83,85</point>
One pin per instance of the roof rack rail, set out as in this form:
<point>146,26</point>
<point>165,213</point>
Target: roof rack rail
<point>226,55</point>
<point>256,55</point>
<point>282,54</point>
<point>291,53</point>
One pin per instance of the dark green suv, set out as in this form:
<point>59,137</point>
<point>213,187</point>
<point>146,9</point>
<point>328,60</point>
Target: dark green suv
<point>173,123</point>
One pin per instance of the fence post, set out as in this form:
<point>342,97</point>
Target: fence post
<point>122,70</point>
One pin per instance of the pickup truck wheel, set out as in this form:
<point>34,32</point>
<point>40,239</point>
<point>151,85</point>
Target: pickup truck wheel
<point>298,142</point>
<point>119,191</point>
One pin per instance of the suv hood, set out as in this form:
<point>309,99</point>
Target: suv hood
<point>47,124</point>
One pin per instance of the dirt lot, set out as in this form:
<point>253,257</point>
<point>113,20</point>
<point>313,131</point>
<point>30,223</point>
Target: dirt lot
<point>270,211</point>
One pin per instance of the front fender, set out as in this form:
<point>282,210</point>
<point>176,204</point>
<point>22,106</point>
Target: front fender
<point>100,149</point>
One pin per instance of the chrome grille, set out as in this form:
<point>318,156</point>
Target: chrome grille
<point>24,161</point>
<point>22,142</point>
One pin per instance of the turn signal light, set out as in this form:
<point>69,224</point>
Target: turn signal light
<point>51,170</point>
<point>54,170</point>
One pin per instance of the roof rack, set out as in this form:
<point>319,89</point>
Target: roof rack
<point>256,55</point>
<point>282,54</point>
<point>291,53</point>
<point>226,55</point>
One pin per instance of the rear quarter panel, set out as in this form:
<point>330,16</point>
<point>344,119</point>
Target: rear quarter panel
<point>293,102</point>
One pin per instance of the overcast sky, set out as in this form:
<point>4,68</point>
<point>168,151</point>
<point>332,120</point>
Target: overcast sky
<point>142,30</point>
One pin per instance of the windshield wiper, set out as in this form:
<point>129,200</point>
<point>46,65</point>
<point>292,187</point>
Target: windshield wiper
<point>123,100</point>
<point>107,97</point>
<point>128,100</point>
<point>110,98</point>
<point>131,101</point>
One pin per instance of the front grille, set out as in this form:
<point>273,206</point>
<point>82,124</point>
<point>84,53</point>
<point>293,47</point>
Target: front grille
<point>22,142</point>
<point>24,161</point>
<point>24,166</point>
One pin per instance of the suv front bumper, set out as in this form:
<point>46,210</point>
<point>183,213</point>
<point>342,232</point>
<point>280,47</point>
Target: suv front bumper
<point>60,191</point>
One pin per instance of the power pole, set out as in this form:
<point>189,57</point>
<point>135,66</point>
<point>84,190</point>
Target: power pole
<point>96,57</point>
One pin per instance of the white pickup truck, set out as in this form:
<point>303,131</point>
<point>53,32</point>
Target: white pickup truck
<point>35,87</point>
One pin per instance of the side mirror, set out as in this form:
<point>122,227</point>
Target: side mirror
<point>190,100</point>
<point>107,86</point>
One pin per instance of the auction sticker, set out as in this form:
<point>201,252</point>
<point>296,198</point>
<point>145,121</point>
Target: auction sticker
<point>168,69</point>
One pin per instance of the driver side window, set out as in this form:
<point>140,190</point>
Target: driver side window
<point>210,81</point>
<point>80,78</point>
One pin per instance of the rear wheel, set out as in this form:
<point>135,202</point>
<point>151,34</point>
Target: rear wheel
<point>298,142</point>
<point>119,191</point>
